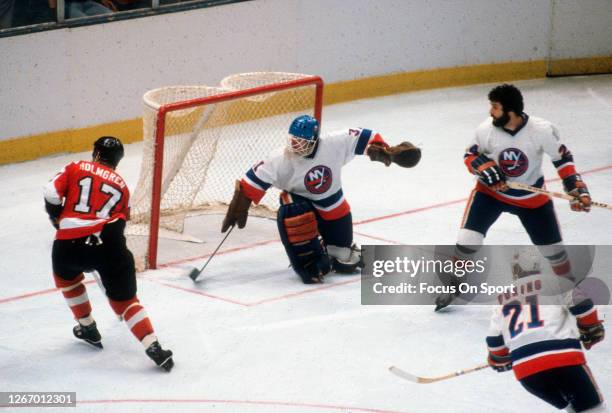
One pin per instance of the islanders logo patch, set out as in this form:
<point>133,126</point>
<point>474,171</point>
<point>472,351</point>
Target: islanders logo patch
<point>513,162</point>
<point>318,179</point>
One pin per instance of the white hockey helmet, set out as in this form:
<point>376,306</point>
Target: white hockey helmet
<point>526,261</point>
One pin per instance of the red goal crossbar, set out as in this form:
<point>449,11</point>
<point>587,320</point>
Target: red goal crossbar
<point>160,133</point>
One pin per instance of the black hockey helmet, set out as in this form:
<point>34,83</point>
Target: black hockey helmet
<point>108,150</point>
<point>509,96</point>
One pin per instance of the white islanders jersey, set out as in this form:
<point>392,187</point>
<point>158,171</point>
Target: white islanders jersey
<point>317,177</point>
<point>539,337</point>
<point>519,155</point>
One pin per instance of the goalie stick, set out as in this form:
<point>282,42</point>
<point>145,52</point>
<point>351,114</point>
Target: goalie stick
<point>195,272</point>
<point>426,380</point>
<point>552,194</point>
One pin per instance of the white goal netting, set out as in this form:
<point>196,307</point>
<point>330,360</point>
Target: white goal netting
<point>210,137</point>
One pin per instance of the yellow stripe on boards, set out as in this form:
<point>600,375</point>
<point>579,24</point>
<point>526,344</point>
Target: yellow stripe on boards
<point>585,66</point>
<point>432,79</point>
<point>77,140</point>
<point>71,140</point>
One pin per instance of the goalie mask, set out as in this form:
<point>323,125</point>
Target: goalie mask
<point>526,261</point>
<point>303,135</point>
<point>108,150</point>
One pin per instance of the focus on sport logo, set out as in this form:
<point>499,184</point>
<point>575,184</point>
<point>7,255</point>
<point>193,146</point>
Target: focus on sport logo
<point>513,162</point>
<point>318,179</point>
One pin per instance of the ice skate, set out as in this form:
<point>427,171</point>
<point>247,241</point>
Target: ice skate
<point>443,301</point>
<point>89,334</point>
<point>161,357</point>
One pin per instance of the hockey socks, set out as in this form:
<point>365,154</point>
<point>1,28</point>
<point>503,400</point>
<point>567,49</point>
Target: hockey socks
<point>136,319</point>
<point>139,324</point>
<point>75,294</point>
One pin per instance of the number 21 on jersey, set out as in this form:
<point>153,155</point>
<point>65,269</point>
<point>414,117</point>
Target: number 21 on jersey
<point>515,310</point>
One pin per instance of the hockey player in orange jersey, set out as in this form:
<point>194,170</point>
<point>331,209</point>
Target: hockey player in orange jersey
<point>88,203</point>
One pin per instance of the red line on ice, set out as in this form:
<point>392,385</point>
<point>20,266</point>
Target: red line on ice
<point>390,241</point>
<point>243,402</point>
<point>270,241</point>
<point>35,293</point>
<point>223,252</point>
<point>198,292</point>
<point>354,279</point>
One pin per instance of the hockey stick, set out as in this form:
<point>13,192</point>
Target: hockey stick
<point>426,380</point>
<point>195,273</point>
<point>552,194</point>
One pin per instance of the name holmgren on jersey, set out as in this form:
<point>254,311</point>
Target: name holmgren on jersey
<point>92,195</point>
<point>518,154</point>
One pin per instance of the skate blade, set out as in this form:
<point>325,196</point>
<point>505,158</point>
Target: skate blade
<point>96,344</point>
<point>167,364</point>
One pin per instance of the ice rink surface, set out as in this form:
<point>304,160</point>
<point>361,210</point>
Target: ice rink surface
<point>251,337</point>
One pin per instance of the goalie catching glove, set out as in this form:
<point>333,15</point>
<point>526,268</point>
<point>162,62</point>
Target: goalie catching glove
<point>405,154</point>
<point>238,210</point>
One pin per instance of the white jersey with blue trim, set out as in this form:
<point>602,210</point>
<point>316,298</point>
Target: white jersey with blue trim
<point>316,177</point>
<point>538,336</point>
<point>519,155</point>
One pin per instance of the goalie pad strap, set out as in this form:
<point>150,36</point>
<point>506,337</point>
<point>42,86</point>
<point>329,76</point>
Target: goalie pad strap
<point>301,228</point>
<point>297,227</point>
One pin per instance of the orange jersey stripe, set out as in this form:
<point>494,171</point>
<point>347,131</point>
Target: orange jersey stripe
<point>336,213</point>
<point>547,362</point>
<point>532,202</point>
<point>254,194</point>
<point>566,171</point>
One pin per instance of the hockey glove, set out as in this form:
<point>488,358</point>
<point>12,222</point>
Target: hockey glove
<point>238,210</point>
<point>489,172</point>
<point>500,363</point>
<point>591,334</point>
<point>575,186</point>
<point>54,212</point>
<point>405,154</point>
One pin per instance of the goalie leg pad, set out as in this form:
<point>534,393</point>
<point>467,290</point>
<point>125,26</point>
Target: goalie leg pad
<point>301,228</point>
<point>297,226</point>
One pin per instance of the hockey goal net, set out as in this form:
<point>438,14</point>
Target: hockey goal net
<point>199,139</point>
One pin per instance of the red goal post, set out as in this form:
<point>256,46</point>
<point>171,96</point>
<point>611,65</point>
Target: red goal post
<point>184,139</point>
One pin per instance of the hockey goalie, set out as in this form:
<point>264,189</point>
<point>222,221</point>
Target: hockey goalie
<point>314,219</point>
